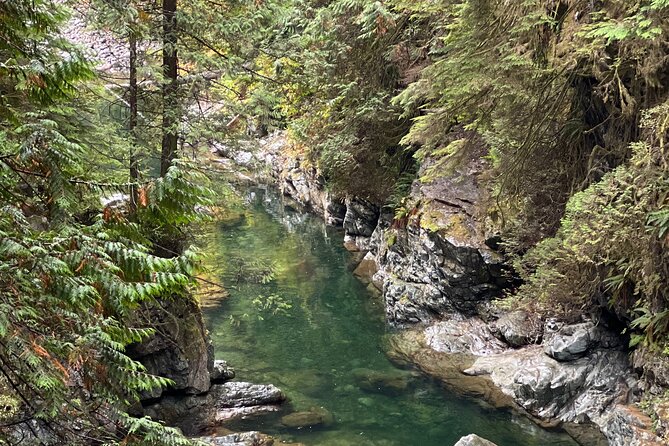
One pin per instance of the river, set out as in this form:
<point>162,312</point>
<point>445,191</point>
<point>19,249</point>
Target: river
<point>296,317</point>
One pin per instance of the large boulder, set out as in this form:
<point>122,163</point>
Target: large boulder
<point>574,341</point>
<point>463,336</point>
<point>194,414</point>
<point>241,394</point>
<point>180,349</point>
<point>518,328</point>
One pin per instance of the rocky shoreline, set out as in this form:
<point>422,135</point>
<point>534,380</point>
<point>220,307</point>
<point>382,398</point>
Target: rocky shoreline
<point>437,271</point>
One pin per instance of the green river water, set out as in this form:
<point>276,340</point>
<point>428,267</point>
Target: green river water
<point>333,332</point>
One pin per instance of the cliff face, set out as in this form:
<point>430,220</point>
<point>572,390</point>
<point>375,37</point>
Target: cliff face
<point>437,270</point>
<point>180,350</point>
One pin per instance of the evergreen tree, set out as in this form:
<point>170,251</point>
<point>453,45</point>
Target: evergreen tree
<point>70,279</point>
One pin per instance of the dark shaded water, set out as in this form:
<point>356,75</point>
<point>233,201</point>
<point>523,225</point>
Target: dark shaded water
<point>321,348</point>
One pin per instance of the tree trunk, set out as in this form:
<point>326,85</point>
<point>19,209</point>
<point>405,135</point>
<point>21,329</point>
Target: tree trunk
<point>170,102</point>
<point>132,124</point>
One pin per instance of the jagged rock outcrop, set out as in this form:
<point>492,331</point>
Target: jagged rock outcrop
<point>595,388</point>
<point>180,349</point>
<point>298,178</point>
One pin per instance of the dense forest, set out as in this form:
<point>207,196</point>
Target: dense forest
<point>565,102</point>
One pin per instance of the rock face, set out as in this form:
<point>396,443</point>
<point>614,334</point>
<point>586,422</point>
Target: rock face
<point>202,395</point>
<point>181,349</point>
<point>474,440</point>
<point>297,178</point>
<point>361,217</point>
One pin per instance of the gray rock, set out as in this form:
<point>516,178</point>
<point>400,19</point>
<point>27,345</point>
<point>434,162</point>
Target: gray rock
<point>195,413</point>
<point>225,414</point>
<point>221,372</point>
<point>448,275</point>
<point>571,342</point>
<point>361,217</point>
<point>242,394</point>
<point>243,158</point>
<point>627,426</point>
<point>578,391</point>
<point>408,302</point>
<point>474,440</point>
<point>334,212</point>
<point>191,413</point>
<point>376,381</point>
<point>316,416</point>
<point>467,336</point>
<point>518,328</point>
<point>181,350</point>
<point>239,439</point>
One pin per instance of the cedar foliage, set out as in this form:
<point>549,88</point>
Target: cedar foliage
<point>71,273</point>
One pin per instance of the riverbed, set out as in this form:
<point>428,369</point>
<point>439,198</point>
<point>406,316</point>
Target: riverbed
<point>296,317</point>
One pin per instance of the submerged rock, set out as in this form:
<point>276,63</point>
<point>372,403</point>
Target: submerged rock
<point>474,440</point>
<point>376,381</point>
<point>366,269</point>
<point>316,416</point>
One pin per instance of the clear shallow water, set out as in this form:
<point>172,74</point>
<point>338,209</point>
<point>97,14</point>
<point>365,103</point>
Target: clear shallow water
<point>321,349</point>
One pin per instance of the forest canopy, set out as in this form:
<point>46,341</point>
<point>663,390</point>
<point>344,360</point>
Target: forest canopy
<point>566,100</point>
